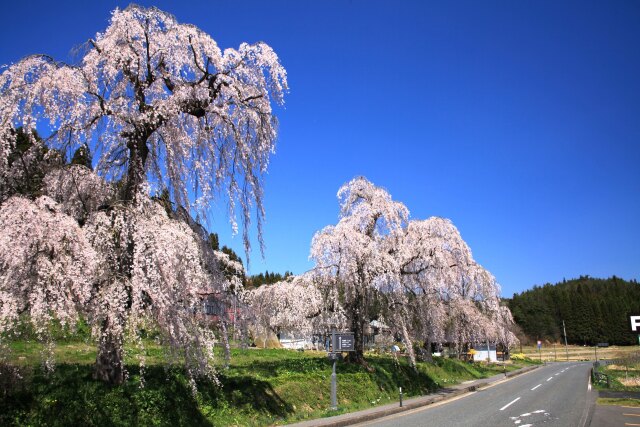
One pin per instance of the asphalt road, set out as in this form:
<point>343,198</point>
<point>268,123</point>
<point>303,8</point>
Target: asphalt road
<point>558,394</point>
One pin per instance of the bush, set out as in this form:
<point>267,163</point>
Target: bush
<point>518,356</point>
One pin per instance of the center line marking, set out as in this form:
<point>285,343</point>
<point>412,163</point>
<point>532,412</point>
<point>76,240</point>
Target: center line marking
<point>549,379</point>
<point>510,403</point>
<point>536,387</point>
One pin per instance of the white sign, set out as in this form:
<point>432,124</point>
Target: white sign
<point>635,324</point>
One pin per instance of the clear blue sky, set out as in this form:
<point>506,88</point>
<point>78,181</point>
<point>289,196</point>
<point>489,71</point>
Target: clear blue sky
<point>519,121</point>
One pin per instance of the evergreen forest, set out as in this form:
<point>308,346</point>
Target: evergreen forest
<point>594,311</point>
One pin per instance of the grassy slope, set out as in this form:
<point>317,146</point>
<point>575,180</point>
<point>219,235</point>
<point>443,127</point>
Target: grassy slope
<point>261,387</point>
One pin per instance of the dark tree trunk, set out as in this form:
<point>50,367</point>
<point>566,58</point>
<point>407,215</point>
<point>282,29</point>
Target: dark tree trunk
<point>109,361</point>
<point>357,314</point>
<point>426,354</point>
<point>136,170</point>
<point>109,365</point>
<point>357,356</point>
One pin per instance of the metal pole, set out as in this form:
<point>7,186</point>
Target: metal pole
<point>555,352</point>
<point>401,397</point>
<point>334,388</point>
<point>595,349</point>
<point>565,340</point>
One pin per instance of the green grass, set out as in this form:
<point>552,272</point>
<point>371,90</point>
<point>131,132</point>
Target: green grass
<point>618,401</point>
<point>622,378</point>
<point>261,387</point>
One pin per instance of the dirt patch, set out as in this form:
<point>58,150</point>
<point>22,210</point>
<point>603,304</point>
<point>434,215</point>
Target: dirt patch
<point>630,382</point>
<point>621,368</point>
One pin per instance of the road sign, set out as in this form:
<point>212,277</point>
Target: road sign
<point>343,342</point>
<point>635,323</point>
<point>539,344</point>
<point>603,344</point>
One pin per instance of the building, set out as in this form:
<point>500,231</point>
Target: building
<point>480,353</point>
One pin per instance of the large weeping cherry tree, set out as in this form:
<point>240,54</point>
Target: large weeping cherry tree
<point>423,271</point>
<point>161,106</point>
<point>353,256</point>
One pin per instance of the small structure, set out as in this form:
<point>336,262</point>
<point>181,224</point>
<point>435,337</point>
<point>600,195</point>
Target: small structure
<point>377,334</point>
<point>293,342</point>
<point>480,353</point>
<point>217,307</point>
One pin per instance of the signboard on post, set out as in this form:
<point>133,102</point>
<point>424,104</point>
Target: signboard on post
<point>343,342</point>
<point>603,344</point>
<point>340,342</point>
<point>539,344</point>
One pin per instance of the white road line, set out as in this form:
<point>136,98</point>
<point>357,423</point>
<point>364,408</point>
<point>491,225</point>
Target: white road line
<point>536,387</point>
<point>549,379</point>
<point>510,403</point>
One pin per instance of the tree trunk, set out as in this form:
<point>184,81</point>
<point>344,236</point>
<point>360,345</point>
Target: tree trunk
<point>109,361</point>
<point>136,170</point>
<point>109,365</point>
<point>357,356</point>
<point>407,341</point>
<point>427,357</point>
<point>357,327</point>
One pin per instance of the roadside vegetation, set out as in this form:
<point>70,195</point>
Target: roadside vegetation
<point>260,387</point>
<point>557,352</point>
<point>621,376</point>
<point>624,373</point>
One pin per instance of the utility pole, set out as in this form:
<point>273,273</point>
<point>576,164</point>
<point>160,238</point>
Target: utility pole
<point>565,340</point>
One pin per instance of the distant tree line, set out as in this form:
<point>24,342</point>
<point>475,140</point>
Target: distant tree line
<point>267,278</point>
<point>594,310</point>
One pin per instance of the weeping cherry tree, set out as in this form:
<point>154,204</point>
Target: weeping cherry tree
<point>423,271</point>
<point>160,105</point>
